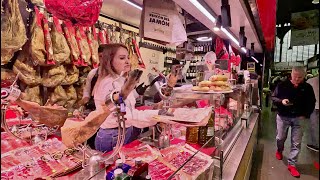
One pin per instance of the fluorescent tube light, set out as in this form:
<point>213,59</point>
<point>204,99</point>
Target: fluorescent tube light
<point>216,29</point>
<point>229,35</point>
<point>133,4</point>
<point>204,39</point>
<point>244,49</point>
<point>255,59</point>
<point>203,10</point>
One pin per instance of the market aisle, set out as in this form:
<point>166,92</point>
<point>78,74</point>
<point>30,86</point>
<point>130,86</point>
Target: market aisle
<point>267,167</point>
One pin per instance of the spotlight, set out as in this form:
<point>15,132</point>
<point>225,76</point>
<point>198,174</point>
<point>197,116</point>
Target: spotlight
<point>218,24</point>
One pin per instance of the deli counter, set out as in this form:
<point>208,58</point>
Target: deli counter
<point>197,136</point>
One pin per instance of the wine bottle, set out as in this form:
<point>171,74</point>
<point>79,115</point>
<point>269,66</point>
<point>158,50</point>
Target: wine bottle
<point>192,135</point>
<point>210,131</point>
<point>202,139</point>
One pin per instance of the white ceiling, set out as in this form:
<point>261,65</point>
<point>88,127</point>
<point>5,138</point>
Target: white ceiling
<point>122,11</point>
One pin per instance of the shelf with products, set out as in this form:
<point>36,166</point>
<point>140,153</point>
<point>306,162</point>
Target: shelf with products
<point>202,48</point>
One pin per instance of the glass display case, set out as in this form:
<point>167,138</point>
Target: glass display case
<point>228,108</point>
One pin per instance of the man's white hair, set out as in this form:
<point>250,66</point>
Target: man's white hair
<point>299,69</point>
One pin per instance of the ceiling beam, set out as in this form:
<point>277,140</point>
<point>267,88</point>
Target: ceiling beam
<point>254,18</point>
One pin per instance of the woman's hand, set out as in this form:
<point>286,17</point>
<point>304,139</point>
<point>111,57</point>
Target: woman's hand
<point>173,77</point>
<point>131,82</point>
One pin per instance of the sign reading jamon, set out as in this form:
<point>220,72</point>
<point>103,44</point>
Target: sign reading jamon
<point>159,19</point>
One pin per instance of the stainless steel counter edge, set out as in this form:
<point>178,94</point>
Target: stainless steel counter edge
<point>232,163</point>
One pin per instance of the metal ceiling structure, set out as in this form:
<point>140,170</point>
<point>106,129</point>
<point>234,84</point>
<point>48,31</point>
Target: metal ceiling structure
<point>286,7</point>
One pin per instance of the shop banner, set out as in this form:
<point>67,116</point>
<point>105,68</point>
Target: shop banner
<point>305,28</point>
<point>286,65</point>
<point>267,13</point>
<point>160,21</point>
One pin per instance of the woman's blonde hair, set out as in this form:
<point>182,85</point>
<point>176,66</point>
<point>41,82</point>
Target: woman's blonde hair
<point>108,52</point>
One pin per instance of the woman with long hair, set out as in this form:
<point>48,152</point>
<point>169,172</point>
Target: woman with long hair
<point>115,78</point>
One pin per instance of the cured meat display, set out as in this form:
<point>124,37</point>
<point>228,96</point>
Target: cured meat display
<point>7,77</point>
<point>37,44</point>
<point>38,161</point>
<point>94,45</point>
<point>177,155</point>
<point>13,32</point>
<point>145,153</point>
<point>11,144</point>
<point>72,75</point>
<point>158,170</point>
<point>83,45</point>
<point>61,51</point>
<point>192,167</point>
<point>69,33</point>
<point>74,132</point>
<point>37,2</point>
<point>58,96</point>
<point>48,115</point>
<point>53,76</point>
<point>47,41</point>
<point>32,94</point>
<point>72,96</point>
<point>24,67</point>
<point>103,38</point>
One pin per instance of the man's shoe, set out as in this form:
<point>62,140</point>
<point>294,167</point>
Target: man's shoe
<point>313,148</point>
<point>293,170</point>
<point>279,155</point>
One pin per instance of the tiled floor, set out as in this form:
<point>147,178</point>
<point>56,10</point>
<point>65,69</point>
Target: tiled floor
<point>267,167</point>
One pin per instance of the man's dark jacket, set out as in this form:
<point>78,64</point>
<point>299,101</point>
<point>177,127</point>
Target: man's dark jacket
<point>302,98</point>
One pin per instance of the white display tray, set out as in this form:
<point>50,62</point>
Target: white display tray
<point>212,92</point>
<point>188,89</point>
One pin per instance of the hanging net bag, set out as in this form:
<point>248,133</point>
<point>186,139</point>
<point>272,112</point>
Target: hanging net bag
<point>79,12</point>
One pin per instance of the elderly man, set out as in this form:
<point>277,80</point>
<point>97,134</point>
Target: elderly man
<point>295,100</point>
<point>313,143</point>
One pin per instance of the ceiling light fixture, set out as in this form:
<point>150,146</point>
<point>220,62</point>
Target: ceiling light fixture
<point>315,2</point>
<point>229,35</point>
<point>216,29</point>
<point>255,59</point>
<point>218,24</point>
<point>244,49</point>
<point>133,4</point>
<point>203,10</point>
<point>204,39</point>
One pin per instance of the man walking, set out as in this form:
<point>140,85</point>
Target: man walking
<point>313,140</point>
<point>295,101</point>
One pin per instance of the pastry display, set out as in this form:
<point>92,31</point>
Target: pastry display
<point>215,83</point>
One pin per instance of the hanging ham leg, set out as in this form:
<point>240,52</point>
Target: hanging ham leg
<point>13,32</point>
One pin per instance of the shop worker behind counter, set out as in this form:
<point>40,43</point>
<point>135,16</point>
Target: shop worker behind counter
<point>88,96</point>
<point>295,100</point>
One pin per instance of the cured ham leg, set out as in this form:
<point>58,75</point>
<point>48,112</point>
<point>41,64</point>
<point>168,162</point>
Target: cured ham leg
<point>75,132</point>
<point>48,115</point>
